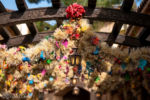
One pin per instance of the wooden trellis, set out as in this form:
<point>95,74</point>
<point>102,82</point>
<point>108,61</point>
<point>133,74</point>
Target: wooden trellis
<point>28,16</point>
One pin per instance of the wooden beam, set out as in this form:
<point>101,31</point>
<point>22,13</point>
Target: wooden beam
<point>22,6</point>
<point>25,39</point>
<point>13,27</point>
<point>32,28</point>
<point>143,35</point>
<point>59,22</point>
<point>104,14</point>
<point>126,7</point>
<point>92,3</point>
<point>56,3</point>
<point>4,35</point>
<point>2,8</point>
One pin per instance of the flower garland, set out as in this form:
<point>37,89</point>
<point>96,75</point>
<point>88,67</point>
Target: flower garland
<point>45,66</point>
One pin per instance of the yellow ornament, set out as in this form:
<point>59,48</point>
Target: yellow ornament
<point>29,88</point>
<point>127,60</point>
<point>20,91</point>
<point>8,83</point>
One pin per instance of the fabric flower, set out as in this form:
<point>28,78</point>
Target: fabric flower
<point>75,11</point>
<point>95,40</point>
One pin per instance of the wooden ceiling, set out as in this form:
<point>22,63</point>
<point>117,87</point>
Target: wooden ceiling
<point>28,16</point>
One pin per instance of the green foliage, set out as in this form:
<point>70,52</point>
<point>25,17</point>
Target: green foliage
<point>108,3</point>
<point>43,26</point>
<point>81,2</point>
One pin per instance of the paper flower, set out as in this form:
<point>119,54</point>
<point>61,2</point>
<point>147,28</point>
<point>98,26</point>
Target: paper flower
<point>42,55</point>
<point>43,72</point>
<point>123,65</point>
<point>24,59</point>
<point>65,43</point>
<point>96,52</point>
<point>49,61</point>
<point>95,40</point>
<point>31,82</point>
<point>75,11</point>
<point>142,64</point>
<point>51,79</point>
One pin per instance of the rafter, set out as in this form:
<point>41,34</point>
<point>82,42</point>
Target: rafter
<point>56,3</point>
<point>92,3</point>
<point>103,14</point>
<point>25,39</point>
<point>22,6</point>
<point>126,7</point>
<point>13,27</point>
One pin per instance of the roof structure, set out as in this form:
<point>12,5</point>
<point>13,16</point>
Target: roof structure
<point>121,16</point>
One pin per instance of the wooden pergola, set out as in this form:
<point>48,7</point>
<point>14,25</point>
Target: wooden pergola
<point>121,16</point>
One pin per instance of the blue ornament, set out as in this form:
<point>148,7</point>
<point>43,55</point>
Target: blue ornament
<point>31,82</point>
<point>142,64</point>
<point>79,69</point>
<point>42,55</point>
<point>51,79</point>
<point>110,72</point>
<point>96,52</point>
<point>45,85</point>
<point>30,94</point>
<point>28,74</point>
<point>123,65</point>
<point>24,59</point>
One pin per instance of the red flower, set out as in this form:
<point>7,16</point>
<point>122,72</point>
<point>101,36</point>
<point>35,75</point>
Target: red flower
<point>95,40</point>
<point>75,11</point>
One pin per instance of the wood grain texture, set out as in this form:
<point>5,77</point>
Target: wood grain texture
<point>104,14</point>
<point>126,7</point>
<point>25,39</point>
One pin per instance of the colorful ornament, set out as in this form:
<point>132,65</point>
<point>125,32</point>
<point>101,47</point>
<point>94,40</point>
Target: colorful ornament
<point>49,61</point>
<point>95,40</point>
<point>65,43</point>
<point>96,52</point>
<point>142,64</point>
<point>43,72</point>
<point>31,82</point>
<point>97,79</point>
<point>123,65</point>
<point>26,59</point>
<point>79,69</point>
<point>42,55</point>
<point>51,79</point>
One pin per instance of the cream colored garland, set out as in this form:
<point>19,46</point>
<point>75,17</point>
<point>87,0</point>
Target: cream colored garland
<point>58,68</point>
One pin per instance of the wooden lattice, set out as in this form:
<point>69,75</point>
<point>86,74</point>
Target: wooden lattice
<point>28,16</point>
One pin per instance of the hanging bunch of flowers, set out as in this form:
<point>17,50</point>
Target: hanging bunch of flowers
<point>75,11</point>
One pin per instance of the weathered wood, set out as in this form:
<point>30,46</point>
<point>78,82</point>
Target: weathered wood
<point>25,39</point>
<point>2,8</point>
<point>31,26</point>
<point>13,28</point>
<point>4,34</point>
<point>104,14</point>
<point>56,3</point>
<point>59,22</point>
<point>143,35</point>
<point>92,3</point>
<point>126,6</point>
<point>21,5</point>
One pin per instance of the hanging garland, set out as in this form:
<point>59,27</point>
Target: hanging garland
<point>45,66</point>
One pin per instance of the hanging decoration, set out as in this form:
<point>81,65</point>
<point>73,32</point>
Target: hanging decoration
<point>47,65</point>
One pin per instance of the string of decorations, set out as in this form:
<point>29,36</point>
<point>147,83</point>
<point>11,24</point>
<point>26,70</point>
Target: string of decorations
<point>74,51</point>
